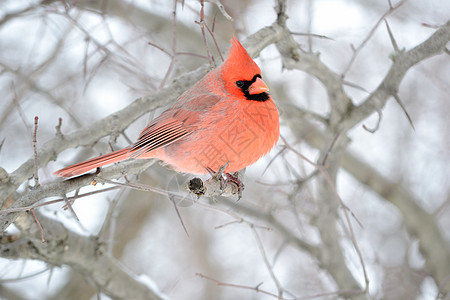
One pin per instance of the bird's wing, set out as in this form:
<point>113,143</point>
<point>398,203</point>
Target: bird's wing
<point>174,124</point>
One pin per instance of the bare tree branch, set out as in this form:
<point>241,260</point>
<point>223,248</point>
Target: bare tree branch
<point>420,224</point>
<point>84,254</point>
<point>432,46</point>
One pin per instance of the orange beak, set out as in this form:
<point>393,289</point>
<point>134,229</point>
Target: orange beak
<point>258,87</point>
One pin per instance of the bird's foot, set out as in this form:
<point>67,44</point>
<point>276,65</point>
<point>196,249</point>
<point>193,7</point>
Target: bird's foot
<point>234,179</point>
<point>226,178</point>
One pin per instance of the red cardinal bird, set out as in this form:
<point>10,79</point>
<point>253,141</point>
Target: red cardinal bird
<point>226,118</point>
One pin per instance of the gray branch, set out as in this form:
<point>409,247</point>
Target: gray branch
<point>402,62</point>
<point>420,224</point>
<point>84,254</point>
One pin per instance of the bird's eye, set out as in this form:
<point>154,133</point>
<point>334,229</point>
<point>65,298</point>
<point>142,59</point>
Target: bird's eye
<point>239,83</point>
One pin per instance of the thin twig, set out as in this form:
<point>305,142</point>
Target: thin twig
<point>165,51</point>
<point>400,102</point>
<point>193,54</point>
<point>18,106</point>
<point>141,187</point>
<point>36,176</point>
<point>390,3</point>
<point>238,219</point>
<point>202,27</point>
<point>109,223</point>
<point>311,14</point>
<point>229,223</point>
<point>391,36</point>
<point>215,42</point>
<point>358,49</point>
<point>441,292</point>
<point>1,144</point>
<point>160,48</point>
<point>221,9</point>
<point>175,206</point>
<point>346,208</point>
<point>69,206</point>
<point>256,288</point>
<point>267,263</point>
<point>58,127</point>
<point>36,205</point>
<point>213,24</point>
<point>174,45</point>
<point>373,130</point>
<point>39,225</point>
<point>333,142</point>
<point>273,159</point>
<point>336,293</point>
<point>26,277</point>
<point>315,35</point>
<point>353,85</point>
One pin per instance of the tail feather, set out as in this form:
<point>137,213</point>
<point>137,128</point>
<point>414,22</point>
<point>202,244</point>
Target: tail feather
<point>86,166</point>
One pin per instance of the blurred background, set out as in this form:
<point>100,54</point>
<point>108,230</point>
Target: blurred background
<point>84,60</point>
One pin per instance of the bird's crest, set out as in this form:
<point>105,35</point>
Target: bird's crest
<point>239,65</point>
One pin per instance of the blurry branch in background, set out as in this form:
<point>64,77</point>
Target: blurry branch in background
<point>420,224</point>
<point>131,13</point>
<point>327,218</point>
<point>19,13</point>
<point>9,293</point>
<point>84,254</point>
<point>256,288</point>
<point>389,86</point>
<point>344,116</point>
<point>28,82</point>
<point>358,49</point>
<point>221,9</point>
